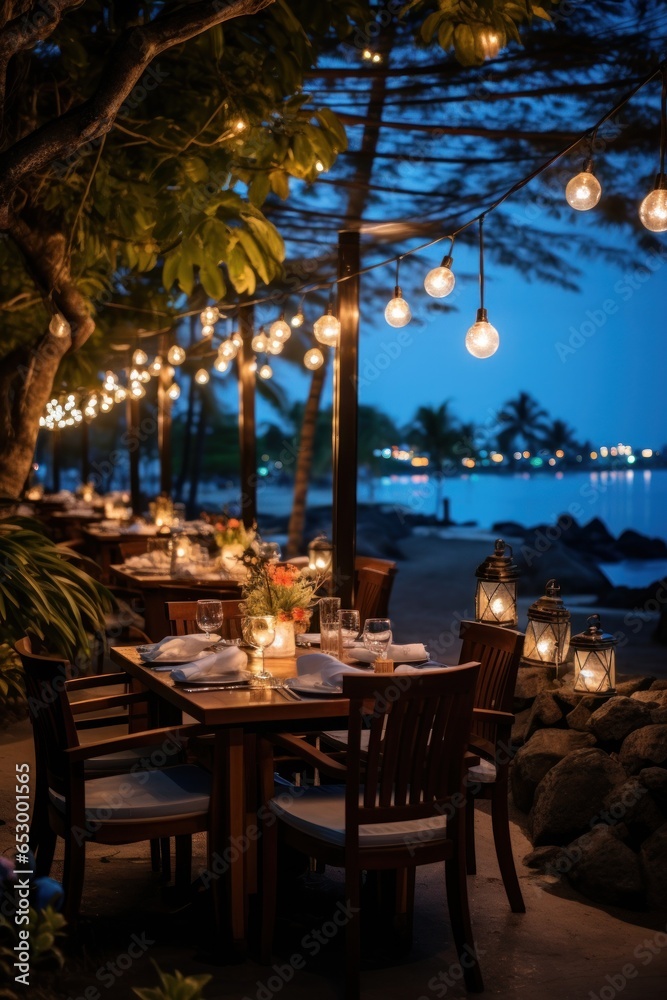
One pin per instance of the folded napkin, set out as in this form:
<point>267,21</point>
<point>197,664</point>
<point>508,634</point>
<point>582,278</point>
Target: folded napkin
<point>173,646</point>
<point>409,651</point>
<point>154,561</point>
<point>426,668</point>
<point>315,669</point>
<point>231,660</point>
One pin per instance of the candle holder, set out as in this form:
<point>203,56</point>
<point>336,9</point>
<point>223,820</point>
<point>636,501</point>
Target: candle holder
<point>548,631</point>
<point>594,659</point>
<point>495,599</point>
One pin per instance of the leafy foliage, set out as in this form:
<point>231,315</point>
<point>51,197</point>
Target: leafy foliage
<point>176,987</point>
<point>12,684</point>
<point>46,928</point>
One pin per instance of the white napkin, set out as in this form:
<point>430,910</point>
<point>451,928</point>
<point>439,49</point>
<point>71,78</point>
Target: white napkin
<point>231,660</point>
<point>406,668</point>
<point>173,646</point>
<point>409,651</point>
<point>315,669</point>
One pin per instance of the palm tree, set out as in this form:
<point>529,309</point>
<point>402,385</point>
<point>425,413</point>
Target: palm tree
<point>521,421</point>
<point>559,436</point>
<point>437,432</point>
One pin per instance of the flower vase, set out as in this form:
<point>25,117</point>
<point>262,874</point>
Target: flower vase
<point>230,558</point>
<point>283,644</point>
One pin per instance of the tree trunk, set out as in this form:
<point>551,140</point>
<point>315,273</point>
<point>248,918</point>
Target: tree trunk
<point>304,462</point>
<point>197,452</point>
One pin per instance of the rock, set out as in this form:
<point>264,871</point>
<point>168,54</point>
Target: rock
<point>644,747</point>
<point>659,685</point>
<point>576,571</point>
<point>633,806</point>
<point>545,712</point>
<point>618,717</point>
<point>578,718</point>
<point>659,715</point>
<point>656,696</point>
<point>567,697</point>
<point>530,682</point>
<point>655,780</point>
<point>570,796</point>
<point>544,858</point>
<point>544,749</point>
<point>632,545</point>
<point>634,684</point>
<point>653,861</point>
<point>519,727</point>
<point>606,871</point>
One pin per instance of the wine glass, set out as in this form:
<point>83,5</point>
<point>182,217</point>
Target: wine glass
<point>259,631</point>
<point>209,616</point>
<point>377,636</point>
<point>349,623</point>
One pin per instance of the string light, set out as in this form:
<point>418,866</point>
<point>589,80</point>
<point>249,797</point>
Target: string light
<point>207,331</point>
<point>313,359</point>
<point>327,328</point>
<point>482,339</point>
<point>280,330</point>
<point>583,192</point>
<point>202,376</point>
<point>174,391</point>
<point>653,209</point>
<point>397,312</point>
<point>176,355</point>
<point>120,394</point>
<point>259,342</point>
<point>227,350</point>
<point>220,364</point>
<point>275,346</point>
<point>252,365</point>
<point>236,339</point>
<point>209,315</point>
<point>137,390</point>
<point>59,326</point>
<point>139,358</point>
<point>298,317</point>
<point>155,366</point>
<point>440,281</point>
<point>266,371</point>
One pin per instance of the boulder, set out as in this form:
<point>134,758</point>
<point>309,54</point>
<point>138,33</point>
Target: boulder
<point>519,727</point>
<point>654,696</point>
<point>618,717</point>
<point>544,749</point>
<point>644,747</point>
<point>578,718</point>
<point>545,712</point>
<point>632,545</point>
<point>653,861</point>
<point>655,780</point>
<point>659,685</point>
<point>567,697</point>
<point>570,796</point>
<point>659,715</point>
<point>606,871</point>
<point>530,682</point>
<point>633,806</point>
<point>634,684</point>
<point>576,571</point>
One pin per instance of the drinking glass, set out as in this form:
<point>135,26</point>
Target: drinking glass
<point>349,623</point>
<point>377,636</point>
<point>270,551</point>
<point>329,630</point>
<point>209,616</point>
<point>259,631</point>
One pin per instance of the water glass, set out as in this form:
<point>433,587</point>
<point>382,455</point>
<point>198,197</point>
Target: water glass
<point>259,631</point>
<point>329,627</point>
<point>209,616</point>
<point>269,551</point>
<point>349,623</point>
<point>377,636</point>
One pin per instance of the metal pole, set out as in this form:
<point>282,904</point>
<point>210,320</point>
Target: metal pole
<point>85,451</point>
<point>133,420</point>
<point>164,422</point>
<point>247,427</point>
<point>344,432</point>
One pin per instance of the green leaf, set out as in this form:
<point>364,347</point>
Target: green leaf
<point>331,122</point>
<point>255,253</point>
<point>446,35</point>
<point>430,26</point>
<point>170,269</point>
<point>211,278</point>
<point>279,183</point>
<point>259,189</point>
<point>196,169</point>
<point>464,44</point>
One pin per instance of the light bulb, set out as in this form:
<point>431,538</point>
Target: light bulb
<point>202,376</point>
<point>227,350</point>
<point>239,125</point>
<point>275,346</point>
<point>207,331</point>
<point>397,312</point>
<point>252,367</point>
<point>266,371</point>
<point>440,281</point>
<point>653,209</point>
<point>280,330</point>
<point>313,359</point>
<point>156,366</point>
<point>137,390</point>
<point>482,339</point>
<point>144,375</point>
<point>174,391</point>
<point>236,339</point>
<point>59,326</point>
<point>319,166</point>
<point>327,329</point>
<point>209,315</point>
<point>259,342</point>
<point>583,191</point>
<point>120,394</point>
<point>221,365</point>
<point>176,355</point>
<point>297,319</point>
<point>490,42</point>
<point>139,358</point>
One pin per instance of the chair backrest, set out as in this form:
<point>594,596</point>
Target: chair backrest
<point>50,712</point>
<point>372,590</point>
<point>182,616</point>
<point>370,562</point>
<point>135,547</point>
<point>418,732</point>
<point>499,651</point>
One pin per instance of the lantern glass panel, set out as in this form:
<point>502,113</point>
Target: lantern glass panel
<point>496,602</point>
<point>595,670</point>
<point>546,642</point>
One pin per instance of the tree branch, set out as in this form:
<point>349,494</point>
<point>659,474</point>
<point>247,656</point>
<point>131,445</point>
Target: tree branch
<point>128,60</point>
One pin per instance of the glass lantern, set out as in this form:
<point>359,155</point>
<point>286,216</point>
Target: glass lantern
<point>320,555</point>
<point>495,600</point>
<point>548,631</point>
<point>594,659</point>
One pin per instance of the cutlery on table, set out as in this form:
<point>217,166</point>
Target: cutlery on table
<point>214,687</point>
<point>287,693</point>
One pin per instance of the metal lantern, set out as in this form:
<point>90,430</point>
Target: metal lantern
<point>320,555</point>
<point>548,631</point>
<point>594,659</point>
<point>495,600</point>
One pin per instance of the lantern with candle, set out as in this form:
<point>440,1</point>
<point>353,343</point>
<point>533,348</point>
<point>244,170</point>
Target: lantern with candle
<point>495,599</point>
<point>594,659</point>
<point>548,631</point>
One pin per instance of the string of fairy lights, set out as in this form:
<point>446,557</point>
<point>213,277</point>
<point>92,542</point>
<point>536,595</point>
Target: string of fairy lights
<point>583,192</point>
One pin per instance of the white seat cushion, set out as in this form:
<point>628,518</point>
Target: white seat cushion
<point>342,737</point>
<point>484,772</point>
<point>125,760</point>
<point>173,791</point>
<point>320,812</point>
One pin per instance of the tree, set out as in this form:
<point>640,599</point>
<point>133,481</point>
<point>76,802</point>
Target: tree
<point>437,432</point>
<point>522,422</point>
<point>559,436</point>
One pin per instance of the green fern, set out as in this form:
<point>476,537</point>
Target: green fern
<point>176,987</point>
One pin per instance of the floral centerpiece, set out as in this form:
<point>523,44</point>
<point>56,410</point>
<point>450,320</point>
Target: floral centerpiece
<point>233,539</point>
<point>284,591</point>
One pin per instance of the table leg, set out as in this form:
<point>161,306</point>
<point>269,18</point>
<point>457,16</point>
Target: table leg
<point>227,833</point>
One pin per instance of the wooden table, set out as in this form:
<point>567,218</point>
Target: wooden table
<point>233,716</point>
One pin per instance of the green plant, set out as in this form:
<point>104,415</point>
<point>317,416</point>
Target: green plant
<point>12,685</point>
<point>45,929</point>
<point>44,594</point>
<point>176,987</point>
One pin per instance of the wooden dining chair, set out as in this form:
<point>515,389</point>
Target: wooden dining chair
<point>182,618</point>
<point>401,804</point>
<point>135,547</point>
<point>370,562</point>
<point>372,590</point>
<point>83,803</point>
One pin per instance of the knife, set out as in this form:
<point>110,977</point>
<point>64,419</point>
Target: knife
<point>214,687</point>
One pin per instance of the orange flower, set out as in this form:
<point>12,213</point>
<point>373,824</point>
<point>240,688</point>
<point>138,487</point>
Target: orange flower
<point>233,523</point>
<point>299,614</point>
<point>283,576</point>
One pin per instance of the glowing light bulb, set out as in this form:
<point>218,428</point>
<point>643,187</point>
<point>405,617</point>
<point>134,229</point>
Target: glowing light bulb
<point>266,371</point>
<point>120,394</point>
<point>259,342</point>
<point>174,391</point>
<point>236,339</point>
<point>280,330</point>
<point>367,54</point>
<point>440,281</point>
<point>144,375</point>
<point>202,376</point>
<point>156,366</point>
<point>482,339</point>
<point>583,192</point>
<point>653,209</point>
<point>319,166</point>
<point>59,326</point>
<point>327,329</point>
<point>397,312</point>
<point>207,331</point>
<point>137,390</point>
<point>377,58</point>
<point>209,315</point>
<point>227,350</point>
<point>313,359</point>
<point>240,125</point>
<point>176,355</point>
<point>139,358</point>
<point>490,42</point>
<point>275,346</point>
<point>221,365</point>
<point>297,319</point>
